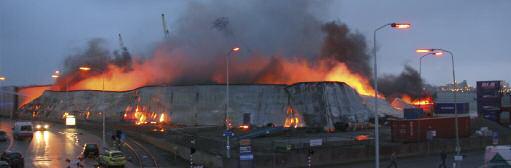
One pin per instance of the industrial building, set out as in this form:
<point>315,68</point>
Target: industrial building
<point>312,104</point>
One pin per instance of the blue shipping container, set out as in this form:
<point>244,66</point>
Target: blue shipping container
<point>413,113</point>
<point>448,108</point>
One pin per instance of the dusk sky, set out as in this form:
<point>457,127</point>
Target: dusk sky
<point>36,36</point>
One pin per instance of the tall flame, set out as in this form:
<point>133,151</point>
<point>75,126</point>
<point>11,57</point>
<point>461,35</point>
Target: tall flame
<point>27,94</point>
<point>263,70</point>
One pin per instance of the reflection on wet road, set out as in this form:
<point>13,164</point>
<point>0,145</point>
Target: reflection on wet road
<point>50,148</point>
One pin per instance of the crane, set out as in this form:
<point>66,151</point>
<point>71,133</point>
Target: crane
<point>121,44</point>
<point>165,28</point>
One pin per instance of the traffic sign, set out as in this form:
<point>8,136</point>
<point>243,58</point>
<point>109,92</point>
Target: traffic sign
<point>315,142</point>
<point>246,150</point>
<point>228,133</point>
<point>458,157</point>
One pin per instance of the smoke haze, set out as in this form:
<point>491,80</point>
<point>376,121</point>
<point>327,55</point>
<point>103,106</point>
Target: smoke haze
<point>281,43</point>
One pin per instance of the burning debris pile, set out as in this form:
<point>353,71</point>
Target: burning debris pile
<point>315,104</point>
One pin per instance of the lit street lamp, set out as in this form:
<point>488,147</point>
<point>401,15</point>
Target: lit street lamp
<point>103,114</point>
<point>227,118</point>
<point>84,68</point>
<point>56,75</point>
<point>375,85</point>
<point>436,50</point>
<point>3,78</point>
<point>420,71</point>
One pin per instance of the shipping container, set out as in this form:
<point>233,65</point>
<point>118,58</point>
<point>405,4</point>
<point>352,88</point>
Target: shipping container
<point>489,99</point>
<point>448,108</point>
<point>413,113</point>
<point>416,130</point>
<point>506,101</point>
<point>489,85</point>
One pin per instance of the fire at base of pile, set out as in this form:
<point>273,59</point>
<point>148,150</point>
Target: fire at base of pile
<point>311,104</point>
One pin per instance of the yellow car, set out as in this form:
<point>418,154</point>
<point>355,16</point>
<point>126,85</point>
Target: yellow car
<point>112,158</point>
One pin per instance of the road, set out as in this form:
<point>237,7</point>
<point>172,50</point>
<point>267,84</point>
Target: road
<point>51,148</point>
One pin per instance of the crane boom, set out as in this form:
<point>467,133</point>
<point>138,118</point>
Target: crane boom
<point>121,42</point>
<point>164,24</point>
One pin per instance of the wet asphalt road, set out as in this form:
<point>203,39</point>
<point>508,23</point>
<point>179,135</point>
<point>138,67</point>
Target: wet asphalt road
<point>51,148</point>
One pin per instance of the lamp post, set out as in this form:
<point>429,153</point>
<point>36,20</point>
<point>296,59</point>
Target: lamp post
<point>103,114</point>
<point>227,118</point>
<point>420,72</point>
<point>455,92</point>
<point>375,85</point>
<point>2,79</point>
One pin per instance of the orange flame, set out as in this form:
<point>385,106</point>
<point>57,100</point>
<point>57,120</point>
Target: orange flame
<point>425,103</point>
<point>282,70</point>
<point>140,116</point>
<point>292,119</point>
<point>27,94</point>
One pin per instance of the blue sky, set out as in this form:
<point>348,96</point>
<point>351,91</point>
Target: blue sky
<point>35,36</point>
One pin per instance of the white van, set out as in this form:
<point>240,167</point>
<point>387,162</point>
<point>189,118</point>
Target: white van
<point>23,129</point>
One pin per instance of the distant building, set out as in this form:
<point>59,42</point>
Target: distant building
<point>464,94</point>
<point>461,87</point>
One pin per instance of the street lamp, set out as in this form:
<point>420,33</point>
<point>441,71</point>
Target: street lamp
<point>84,68</point>
<point>103,114</point>
<point>56,75</point>
<point>375,85</point>
<point>437,50</point>
<point>227,118</point>
<point>3,78</point>
<point>420,71</point>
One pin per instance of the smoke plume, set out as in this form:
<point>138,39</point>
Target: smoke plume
<point>347,47</point>
<point>281,43</point>
<point>407,83</point>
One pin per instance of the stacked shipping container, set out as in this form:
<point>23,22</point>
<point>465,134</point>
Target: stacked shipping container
<point>448,108</point>
<point>416,130</point>
<point>489,97</point>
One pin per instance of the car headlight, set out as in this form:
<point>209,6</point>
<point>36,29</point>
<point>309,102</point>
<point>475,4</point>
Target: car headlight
<point>46,126</point>
<point>38,126</point>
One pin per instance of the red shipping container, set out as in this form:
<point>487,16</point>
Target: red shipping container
<point>416,130</point>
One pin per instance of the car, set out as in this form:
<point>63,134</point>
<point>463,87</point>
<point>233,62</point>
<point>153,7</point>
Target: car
<point>22,129</point>
<point>112,158</point>
<point>42,127</point>
<point>14,159</point>
<point>3,136</point>
<point>90,150</point>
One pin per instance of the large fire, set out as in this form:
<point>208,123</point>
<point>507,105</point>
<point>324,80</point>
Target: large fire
<point>150,72</point>
<point>27,94</point>
<point>293,119</point>
<point>141,115</point>
<point>425,102</point>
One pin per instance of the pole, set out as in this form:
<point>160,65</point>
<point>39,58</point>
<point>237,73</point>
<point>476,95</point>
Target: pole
<point>420,77</point>
<point>103,116</point>
<point>375,85</point>
<point>191,160</point>
<point>227,119</point>
<point>458,147</point>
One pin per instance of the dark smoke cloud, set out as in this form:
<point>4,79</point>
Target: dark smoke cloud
<point>408,82</point>
<point>276,31</point>
<point>97,57</point>
<point>266,27</point>
<point>345,46</point>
